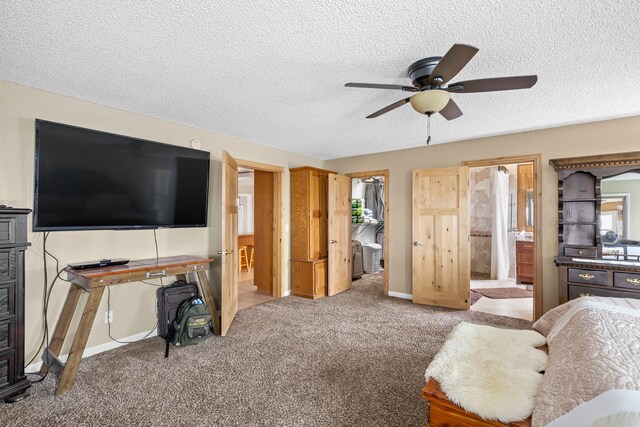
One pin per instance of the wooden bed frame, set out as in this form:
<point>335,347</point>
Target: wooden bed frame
<point>445,413</point>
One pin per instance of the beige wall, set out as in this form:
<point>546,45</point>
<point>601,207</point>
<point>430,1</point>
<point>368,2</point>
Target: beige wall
<point>593,138</point>
<point>133,304</point>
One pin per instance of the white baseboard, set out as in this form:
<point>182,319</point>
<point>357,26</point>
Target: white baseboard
<point>400,295</point>
<point>34,368</point>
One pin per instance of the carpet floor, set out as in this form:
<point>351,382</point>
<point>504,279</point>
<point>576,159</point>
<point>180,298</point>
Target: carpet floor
<point>354,359</point>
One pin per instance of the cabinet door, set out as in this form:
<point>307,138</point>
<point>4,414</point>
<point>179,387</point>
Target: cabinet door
<point>319,279</point>
<point>317,215</point>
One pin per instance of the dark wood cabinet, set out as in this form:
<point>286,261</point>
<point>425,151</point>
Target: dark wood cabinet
<point>585,269</point>
<point>13,243</point>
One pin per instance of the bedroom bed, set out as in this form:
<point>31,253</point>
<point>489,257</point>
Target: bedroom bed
<point>592,374</point>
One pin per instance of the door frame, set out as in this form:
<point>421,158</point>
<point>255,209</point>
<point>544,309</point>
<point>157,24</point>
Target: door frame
<point>385,247</point>
<point>278,286</point>
<point>536,160</point>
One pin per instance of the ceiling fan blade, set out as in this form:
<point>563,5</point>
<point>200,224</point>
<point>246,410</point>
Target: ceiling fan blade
<point>389,108</point>
<point>382,86</point>
<point>452,62</point>
<point>451,110</point>
<point>494,84</point>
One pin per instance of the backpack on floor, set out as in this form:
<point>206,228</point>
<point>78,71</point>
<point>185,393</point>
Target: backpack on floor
<point>192,324</point>
<point>168,300</point>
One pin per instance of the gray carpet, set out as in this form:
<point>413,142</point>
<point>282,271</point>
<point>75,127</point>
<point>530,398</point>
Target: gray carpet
<point>354,359</point>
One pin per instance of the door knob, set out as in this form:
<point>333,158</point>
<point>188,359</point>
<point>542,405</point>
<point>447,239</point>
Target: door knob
<point>416,243</point>
<point>331,241</point>
<point>225,252</point>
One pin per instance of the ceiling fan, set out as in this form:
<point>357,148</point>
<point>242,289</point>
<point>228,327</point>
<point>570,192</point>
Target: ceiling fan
<point>428,76</point>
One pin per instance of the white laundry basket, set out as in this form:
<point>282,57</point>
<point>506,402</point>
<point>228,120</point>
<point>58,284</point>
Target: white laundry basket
<point>371,253</point>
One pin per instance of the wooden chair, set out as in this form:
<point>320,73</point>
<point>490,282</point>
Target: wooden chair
<point>244,260</point>
<point>251,260</point>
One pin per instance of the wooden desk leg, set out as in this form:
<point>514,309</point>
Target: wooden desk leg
<point>62,326</point>
<point>209,300</point>
<point>68,374</point>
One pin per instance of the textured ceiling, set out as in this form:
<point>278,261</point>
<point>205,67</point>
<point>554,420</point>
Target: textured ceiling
<point>272,71</point>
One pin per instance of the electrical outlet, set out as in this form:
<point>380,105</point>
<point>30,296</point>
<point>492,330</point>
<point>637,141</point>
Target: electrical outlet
<point>108,317</point>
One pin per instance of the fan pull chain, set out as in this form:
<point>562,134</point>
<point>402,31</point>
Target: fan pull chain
<point>428,129</point>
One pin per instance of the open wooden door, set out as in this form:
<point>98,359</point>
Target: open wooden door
<point>339,233</point>
<point>263,226</point>
<point>229,262</point>
<point>440,237</point>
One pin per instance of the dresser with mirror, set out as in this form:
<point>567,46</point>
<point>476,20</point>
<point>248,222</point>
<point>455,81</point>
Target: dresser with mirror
<point>598,226</point>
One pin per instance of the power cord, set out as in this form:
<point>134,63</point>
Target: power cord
<point>47,294</point>
<point>155,238</point>
<point>45,306</point>
<point>109,322</point>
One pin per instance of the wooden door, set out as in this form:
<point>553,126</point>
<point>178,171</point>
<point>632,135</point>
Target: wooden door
<point>339,233</point>
<point>440,237</point>
<point>317,214</point>
<point>229,262</point>
<point>263,219</point>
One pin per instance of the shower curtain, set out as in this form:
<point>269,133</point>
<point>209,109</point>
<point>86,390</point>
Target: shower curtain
<point>499,226</point>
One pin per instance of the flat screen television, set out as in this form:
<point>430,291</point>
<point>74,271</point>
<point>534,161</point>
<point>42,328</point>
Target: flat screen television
<point>90,180</point>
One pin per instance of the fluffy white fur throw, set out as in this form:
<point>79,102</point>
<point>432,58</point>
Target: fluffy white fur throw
<point>491,372</point>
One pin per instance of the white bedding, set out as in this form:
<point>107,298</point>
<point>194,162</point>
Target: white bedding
<point>594,347</point>
<point>492,372</point>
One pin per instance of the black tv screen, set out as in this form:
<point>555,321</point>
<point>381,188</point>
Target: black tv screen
<point>89,180</point>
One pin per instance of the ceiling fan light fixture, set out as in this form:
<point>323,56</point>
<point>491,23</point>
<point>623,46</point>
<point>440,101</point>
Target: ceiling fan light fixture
<point>430,101</point>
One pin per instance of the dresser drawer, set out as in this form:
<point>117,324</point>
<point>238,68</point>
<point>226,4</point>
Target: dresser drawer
<point>7,370</point>
<point>591,277</point>
<point>7,264</point>
<point>580,252</point>
<point>524,246</point>
<point>7,301</point>
<point>626,280</point>
<point>7,335</point>
<point>581,291</point>
<point>7,230</point>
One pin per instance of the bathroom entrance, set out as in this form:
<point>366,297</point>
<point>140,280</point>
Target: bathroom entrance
<point>369,240</point>
<point>502,210</point>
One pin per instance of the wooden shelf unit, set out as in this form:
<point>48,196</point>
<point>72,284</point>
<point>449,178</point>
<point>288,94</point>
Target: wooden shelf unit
<point>309,231</point>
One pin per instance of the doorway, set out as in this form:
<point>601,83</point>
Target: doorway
<point>505,231</point>
<point>501,239</point>
<point>259,222</point>
<point>370,212</point>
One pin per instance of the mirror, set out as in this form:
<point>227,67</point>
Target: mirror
<point>528,208</point>
<point>619,219</point>
<point>525,197</point>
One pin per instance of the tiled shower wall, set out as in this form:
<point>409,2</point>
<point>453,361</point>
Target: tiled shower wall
<point>480,185</point>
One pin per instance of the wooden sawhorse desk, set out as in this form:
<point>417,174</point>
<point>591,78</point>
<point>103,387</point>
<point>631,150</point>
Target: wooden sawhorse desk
<point>94,282</point>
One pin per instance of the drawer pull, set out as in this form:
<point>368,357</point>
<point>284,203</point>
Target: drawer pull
<point>635,282</point>
<point>585,294</point>
<point>586,276</point>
